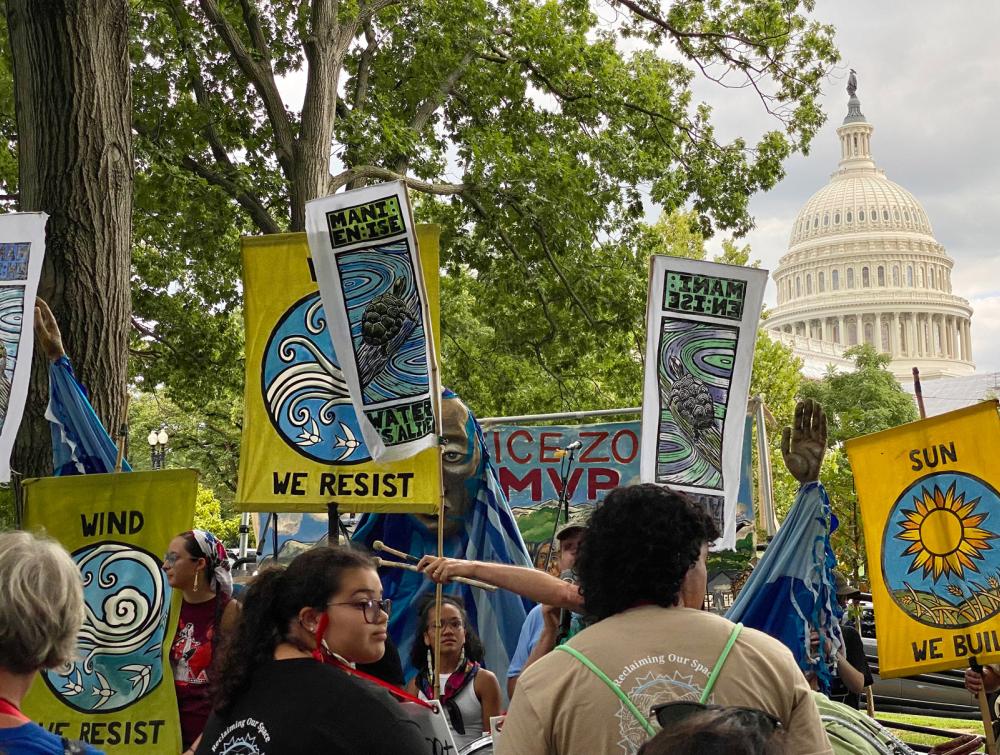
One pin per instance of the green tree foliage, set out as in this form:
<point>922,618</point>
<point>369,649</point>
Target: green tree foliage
<point>208,516</point>
<point>867,400</point>
<point>531,130</point>
<point>207,440</point>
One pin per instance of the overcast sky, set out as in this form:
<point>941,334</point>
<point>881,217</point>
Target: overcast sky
<point>929,82</point>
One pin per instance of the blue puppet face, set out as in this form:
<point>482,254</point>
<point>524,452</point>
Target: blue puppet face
<point>461,459</point>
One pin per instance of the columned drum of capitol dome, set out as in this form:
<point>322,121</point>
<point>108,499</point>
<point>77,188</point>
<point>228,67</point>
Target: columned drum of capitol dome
<point>863,266</point>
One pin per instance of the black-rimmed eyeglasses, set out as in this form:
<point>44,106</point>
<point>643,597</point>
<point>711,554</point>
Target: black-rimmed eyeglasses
<point>371,608</point>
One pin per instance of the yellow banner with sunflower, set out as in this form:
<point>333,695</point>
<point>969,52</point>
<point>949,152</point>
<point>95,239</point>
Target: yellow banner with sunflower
<point>931,513</point>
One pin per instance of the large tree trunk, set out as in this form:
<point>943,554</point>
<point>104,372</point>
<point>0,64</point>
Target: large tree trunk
<point>74,102</point>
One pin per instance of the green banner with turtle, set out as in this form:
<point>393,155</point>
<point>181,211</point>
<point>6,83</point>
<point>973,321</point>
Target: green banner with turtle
<point>701,323</point>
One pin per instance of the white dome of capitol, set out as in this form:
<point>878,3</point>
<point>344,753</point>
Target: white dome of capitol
<point>859,203</point>
<point>863,266</point>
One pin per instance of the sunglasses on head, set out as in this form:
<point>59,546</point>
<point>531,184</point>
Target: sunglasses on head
<point>672,713</point>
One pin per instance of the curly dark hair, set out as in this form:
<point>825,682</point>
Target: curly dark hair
<point>473,645</point>
<point>272,601</point>
<point>715,732</point>
<point>639,545</point>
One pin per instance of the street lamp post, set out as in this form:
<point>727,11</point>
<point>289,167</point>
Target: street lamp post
<point>158,447</point>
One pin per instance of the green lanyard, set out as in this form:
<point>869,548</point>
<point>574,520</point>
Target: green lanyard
<point>644,722</point>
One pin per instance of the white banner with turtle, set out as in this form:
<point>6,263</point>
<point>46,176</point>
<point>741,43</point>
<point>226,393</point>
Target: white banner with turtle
<point>368,270</point>
<point>701,326</point>
<point>22,247</point>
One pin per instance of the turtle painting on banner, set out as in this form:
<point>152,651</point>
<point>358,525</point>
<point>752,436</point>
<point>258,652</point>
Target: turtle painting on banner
<point>22,247</point>
<point>118,692</point>
<point>369,274</point>
<point>701,325</point>
<point>931,515</point>
<point>302,444</point>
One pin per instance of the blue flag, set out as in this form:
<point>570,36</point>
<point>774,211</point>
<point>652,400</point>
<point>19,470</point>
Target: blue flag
<point>80,444</point>
<point>792,590</point>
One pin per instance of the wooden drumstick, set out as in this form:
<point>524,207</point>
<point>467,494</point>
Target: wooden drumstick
<point>380,562</point>
<point>378,545</point>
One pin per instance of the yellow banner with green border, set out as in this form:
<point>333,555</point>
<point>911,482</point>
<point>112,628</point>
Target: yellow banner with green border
<point>118,693</point>
<point>931,515</point>
<point>301,446</point>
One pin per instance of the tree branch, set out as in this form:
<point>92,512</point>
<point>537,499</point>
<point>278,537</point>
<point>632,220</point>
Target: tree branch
<point>373,171</point>
<point>253,206</point>
<point>262,79</point>
<point>433,102</point>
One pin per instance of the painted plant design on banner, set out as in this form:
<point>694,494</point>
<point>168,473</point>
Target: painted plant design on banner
<point>11,314</point>
<point>695,371</point>
<point>941,550</point>
<point>386,324</point>
<point>120,647</point>
<point>304,389</point>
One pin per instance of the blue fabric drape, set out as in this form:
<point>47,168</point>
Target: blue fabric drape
<point>80,444</point>
<point>792,588</point>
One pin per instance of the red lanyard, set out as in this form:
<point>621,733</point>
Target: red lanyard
<point>8,708</point>
<point>402,694</point>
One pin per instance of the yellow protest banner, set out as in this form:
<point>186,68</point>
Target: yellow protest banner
<point>118,694</point>
<point>931,513</point>
<point>301,447</point>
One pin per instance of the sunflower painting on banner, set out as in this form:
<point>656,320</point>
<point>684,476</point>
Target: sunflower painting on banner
<point>701,325</point>
<point>931,514</point>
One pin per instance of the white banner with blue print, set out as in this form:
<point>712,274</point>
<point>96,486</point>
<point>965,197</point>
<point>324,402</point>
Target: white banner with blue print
<point>368,270</point>
<point>22,247</point>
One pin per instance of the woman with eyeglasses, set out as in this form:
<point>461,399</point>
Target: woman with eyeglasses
<point>286,682</point>
<point>196,564</point>
<point>469,693</point>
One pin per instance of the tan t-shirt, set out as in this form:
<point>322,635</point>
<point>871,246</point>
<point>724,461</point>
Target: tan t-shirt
<point>655,655</point>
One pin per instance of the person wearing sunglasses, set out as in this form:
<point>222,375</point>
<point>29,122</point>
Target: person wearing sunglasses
<point>196,564</point>
<point>692,728</point>
<point>287,684</point>
<point>469,693</point>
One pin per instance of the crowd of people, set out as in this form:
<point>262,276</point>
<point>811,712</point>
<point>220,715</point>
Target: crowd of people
<point>618,655</point>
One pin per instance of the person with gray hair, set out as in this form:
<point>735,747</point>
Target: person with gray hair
<point>41,612</point>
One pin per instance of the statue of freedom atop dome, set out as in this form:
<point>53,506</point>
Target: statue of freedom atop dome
<point>852,84</point>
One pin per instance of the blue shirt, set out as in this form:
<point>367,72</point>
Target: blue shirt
<point>531,630</point>
<point>32,739</point>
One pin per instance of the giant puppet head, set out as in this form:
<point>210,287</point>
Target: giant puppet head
<point>478,525</point>
<point>461,460</point>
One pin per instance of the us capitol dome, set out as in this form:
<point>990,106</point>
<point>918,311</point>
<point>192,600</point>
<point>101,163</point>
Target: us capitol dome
<point>863,266</point>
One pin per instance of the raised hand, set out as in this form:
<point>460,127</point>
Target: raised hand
<point>803,444</point>
<point>47,331</point>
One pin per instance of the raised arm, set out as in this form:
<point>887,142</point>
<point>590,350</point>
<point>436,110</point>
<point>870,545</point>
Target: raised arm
<point>530,583</point>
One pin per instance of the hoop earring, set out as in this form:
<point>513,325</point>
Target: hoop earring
<point>196,580</point>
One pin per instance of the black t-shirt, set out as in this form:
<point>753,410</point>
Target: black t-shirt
<point>302,706</point>
<point>855,652</point>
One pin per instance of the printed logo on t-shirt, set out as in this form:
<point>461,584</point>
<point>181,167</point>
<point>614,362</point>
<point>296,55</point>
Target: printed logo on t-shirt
<point>247,736</point>
<point>191,658</point>
<point>649,681</point>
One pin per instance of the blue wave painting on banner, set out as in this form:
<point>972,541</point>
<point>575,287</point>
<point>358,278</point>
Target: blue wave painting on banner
<point>383,308</point>
<point>11,318</point>
<point>304,390</point>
